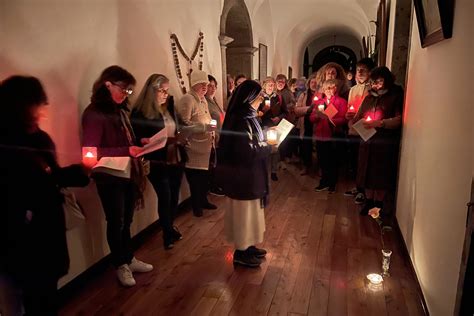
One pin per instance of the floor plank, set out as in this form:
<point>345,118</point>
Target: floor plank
<point>319,253</point>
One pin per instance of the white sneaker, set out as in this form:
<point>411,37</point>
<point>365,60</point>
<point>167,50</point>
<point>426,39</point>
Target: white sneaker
<point>140,266</point>
<point>125,275</point>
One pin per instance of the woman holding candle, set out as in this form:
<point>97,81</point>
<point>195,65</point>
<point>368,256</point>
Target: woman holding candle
<point>193,112</point>
<point>378,157</point>
<point>357,94</point>
<point>106,126</point>
<point>33,245</point>
<point>244,152</point>
<point>303,109</point>
<point>326,132</point>
<point>270,112</point>
<point>153,111</point>
<point>290,144</point>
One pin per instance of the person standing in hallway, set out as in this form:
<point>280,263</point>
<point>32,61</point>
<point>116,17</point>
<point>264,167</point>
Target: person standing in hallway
<point>357,95</point>
<point>106,126</point>
<point>336,72</point>
<point>270,113</point>
<point>239,79</point>
<point>245,153</point>
<point>193,112</point>
<point>304,108</point>
<point>153,111</point>
<point>289,146</point>
<point>33,245</point>
<point>378,157</point>
<point>327,133</point>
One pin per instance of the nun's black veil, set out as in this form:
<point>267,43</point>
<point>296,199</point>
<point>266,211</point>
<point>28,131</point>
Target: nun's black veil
<point>239,108</point>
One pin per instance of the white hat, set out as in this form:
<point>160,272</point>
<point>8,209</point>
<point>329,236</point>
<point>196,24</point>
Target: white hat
<point>198,76</point>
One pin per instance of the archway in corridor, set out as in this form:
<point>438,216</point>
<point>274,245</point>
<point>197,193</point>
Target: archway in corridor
<point>236,40</point>
<point>339,54</point>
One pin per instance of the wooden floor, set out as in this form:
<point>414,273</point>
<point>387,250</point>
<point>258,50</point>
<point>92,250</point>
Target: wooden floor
<point>319,253</point>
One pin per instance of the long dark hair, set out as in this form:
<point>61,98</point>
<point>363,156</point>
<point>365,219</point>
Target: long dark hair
<point>19,95</point>
<point>386,74</point>
<point>101,95</point>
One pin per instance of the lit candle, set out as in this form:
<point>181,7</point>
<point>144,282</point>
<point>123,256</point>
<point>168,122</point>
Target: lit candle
<point>368,119</point>
<point>89,156</point>
<point>321,107</point>
<point>315,98</point>
<point>213,123</point>
<point>328,100</point>
<point>267,103</point>
<point>375,278</point>
<point>351,108</point>
<point>272,136</point>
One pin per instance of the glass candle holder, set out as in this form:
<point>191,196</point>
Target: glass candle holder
<point>89,156</point>
<point>386,254</point>
<point>272,136</point>
<point>321,107</point>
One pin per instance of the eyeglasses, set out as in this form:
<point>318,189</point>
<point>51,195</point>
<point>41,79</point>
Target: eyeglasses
<point>127,91</point>
<point>163,91</point>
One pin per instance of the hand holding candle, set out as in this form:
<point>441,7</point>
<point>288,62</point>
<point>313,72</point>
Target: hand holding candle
<point>321,107</point>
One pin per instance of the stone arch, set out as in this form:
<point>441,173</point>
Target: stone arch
<point>236,39</point>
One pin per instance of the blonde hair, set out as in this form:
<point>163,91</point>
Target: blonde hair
<point>330,82</point>
<point>146,100</point>
<point>266,81</point>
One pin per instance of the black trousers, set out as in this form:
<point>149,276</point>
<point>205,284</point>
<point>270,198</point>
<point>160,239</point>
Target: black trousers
<point>117,202</point>
<point>353,143</point>
<point>306,150</point>
<point>328,161</point>
<point>199,186</point>
<point>166,180</point>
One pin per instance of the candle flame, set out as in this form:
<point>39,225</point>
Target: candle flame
<point>315,98</point>
<point>368,119</point>
<point>89,155</point>
<point>351,108</point>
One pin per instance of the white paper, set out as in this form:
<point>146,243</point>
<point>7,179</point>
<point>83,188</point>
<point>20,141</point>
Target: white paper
<point>283,129</point>
<point>365,133</point>
<point>157,141</point>
<point>116,166</point>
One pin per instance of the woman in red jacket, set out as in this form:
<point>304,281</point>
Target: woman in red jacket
<point>326,132</point>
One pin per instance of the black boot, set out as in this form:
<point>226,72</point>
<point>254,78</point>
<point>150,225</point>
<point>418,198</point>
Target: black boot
<point>369,204</point>
<point>257,252</point>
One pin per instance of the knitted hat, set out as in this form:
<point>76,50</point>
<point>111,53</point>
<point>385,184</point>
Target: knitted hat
<point>198,76</point>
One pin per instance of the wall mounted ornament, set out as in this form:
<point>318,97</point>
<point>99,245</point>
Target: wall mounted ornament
<point>198,51</point>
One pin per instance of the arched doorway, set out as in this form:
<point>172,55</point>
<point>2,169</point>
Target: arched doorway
<point>236,40</point>
<point>339,54</point>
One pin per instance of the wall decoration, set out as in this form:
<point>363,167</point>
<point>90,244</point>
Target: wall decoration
<point>435,20</point>
<point>262,61</point>
<point>175,46</point>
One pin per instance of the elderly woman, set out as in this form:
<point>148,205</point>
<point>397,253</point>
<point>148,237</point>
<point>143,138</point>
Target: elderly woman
<point>32,223</point>
<point>303,109</point>
<point>105,125</point>
<point>378,157</point>
<point>326,132</point>
<point>333,71</point>
<point>193,112</point>
<point>153,111</point>
<point>244,152</point>
<point>270,112</point>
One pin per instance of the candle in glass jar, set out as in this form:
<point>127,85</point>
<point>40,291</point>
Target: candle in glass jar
<point>213,123</point>
<point>375,278</point>
<point>89,156</point>
<point>315,98</point>
<point>272,136</point>
<point>267,103</point>
<point>351,108</point>
<point>321,107</point>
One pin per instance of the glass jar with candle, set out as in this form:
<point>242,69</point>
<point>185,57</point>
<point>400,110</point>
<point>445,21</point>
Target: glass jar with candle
<point>386,254</point>
<point>89,156</point>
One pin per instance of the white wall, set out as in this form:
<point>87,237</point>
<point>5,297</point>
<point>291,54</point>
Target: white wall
<point>391,31</point>
<point>437,159</point>
<point>67,43</point>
